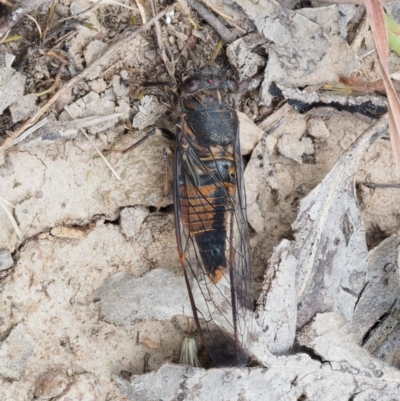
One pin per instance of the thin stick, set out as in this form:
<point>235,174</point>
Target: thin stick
<point>94,145</point>
<point>275,117</point>
<point>29,131</point>
<point>14,207</point>
<point>11,218</point>
<point>113,49</point>
<point>7,3</point>
<point>37,25</point>
<point>375,186</point>
<point>225,34</point>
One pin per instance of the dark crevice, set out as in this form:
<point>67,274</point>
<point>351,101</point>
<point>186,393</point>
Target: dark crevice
<point>297,348</point>
<point>360,295</point>
<point>369,333</point>
<point>114,222</point>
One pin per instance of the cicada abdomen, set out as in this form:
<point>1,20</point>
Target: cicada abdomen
<point>210,216</point>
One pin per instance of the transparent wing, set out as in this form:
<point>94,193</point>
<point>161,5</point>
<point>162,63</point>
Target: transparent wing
<point>213,245</point>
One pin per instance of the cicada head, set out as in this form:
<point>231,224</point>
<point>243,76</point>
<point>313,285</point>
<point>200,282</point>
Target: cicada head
<point>211,78</point>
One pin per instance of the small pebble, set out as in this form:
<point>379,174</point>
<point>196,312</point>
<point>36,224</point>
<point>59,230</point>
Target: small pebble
<point>6,260</point>
<point>291,148</point>
<point>192,42</point>
<point>317,128</point>
<point>51,384</point>
<point>171,40</point>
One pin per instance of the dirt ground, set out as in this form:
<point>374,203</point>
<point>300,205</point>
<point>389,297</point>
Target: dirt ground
<point>90,282</point>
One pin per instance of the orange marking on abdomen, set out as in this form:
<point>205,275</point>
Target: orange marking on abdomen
<point>200,208</point>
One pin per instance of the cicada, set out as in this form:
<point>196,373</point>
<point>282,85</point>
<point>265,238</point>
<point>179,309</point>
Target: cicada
<point>210,216</point>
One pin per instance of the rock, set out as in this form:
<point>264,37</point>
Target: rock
<point>15,351</point>
<point>296,377</point>
<point>259,181</point>
<point>51,384</point>
<point>293,123</point>
<point>291,148</point>
<point>279,303</point>
<point>250,134</point>
<point>100,192</point>
<point>125,299</point>
<point>84,387</point>
<point>119,88</point>
<point>98,85</point>
<point>306,48</point>
<point>132,219</point>
<point>93,50</point>
<point>271,142</point>
<point>24,108</point>
<point>12,86</point>
<point>6,260</point>
<point>308,145</point>
<point>90,105</point>
<point>317,128</point>
<point>150,110</point>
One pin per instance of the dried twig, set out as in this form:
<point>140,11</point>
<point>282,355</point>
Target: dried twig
<point>163,47</point>
<point>37,25</point>
<point>57,79</point>
<point>225,34</point>
<point>271,120</point>
<point>113,49</point>
<point>3,205</point>
<point>7,3</point>
<point>380,34</point>
<point>29,131</point>
<point>376,186</point>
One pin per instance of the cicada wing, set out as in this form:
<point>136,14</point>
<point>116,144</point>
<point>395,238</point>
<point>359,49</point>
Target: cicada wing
<point>213,245</point>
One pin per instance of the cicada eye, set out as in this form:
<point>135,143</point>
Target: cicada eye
<point>233,85</point>
<point>191,84</point>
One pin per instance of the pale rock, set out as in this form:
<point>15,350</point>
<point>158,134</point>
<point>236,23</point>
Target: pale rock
<point>92,104</point>
<point>250,134</point>
<point>286,378</point>
<point>123,106</point>
<point>308,145</point>
<point>98,85</point>
<point>98,191</point>
<point>124,299</point>
<point>271,142</point>
<point>294,124</point>
<point>12,86</point>
<point>259,180</point>
<point>84,387</point>
<point>24,108</point>
<point>277,313</point>
<point>317,128</point>
<point>119,88</point>
<point>6,260</point>
<point>15,351</point>
<point>50,385</point>
<point>132,219</point>
<point>150,110</point>
<point>291,148</point>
